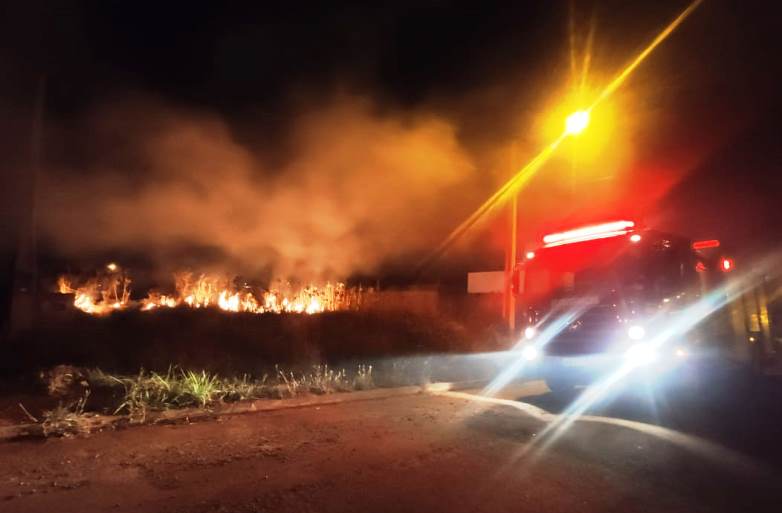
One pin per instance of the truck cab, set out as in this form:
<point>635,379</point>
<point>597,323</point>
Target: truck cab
<point>619,299</point>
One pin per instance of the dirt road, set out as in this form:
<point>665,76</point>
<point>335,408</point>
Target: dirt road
<point>422,453</point>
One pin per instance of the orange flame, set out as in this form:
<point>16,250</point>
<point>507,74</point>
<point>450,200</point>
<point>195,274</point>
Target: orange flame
<point>101,295</point>
<point>98,296</point>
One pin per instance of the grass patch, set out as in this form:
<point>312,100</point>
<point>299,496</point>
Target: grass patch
<point>363,378</point>
<point>200,388</point>
<point>244,388</point>
<point>135,396</point>
<point>67,420</point>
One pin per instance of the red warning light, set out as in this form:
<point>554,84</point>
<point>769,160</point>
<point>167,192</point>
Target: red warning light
<point>700,267</point>
<point>727,264</point>
<point>705,244</point>
<point>586,233</point>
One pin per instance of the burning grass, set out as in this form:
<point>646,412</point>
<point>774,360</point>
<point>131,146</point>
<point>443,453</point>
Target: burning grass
<point>109,291</point>
<point>100,295</point>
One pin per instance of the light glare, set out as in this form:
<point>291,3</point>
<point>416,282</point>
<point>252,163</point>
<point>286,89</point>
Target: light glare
<point>577,122</point>
<point>636,332</point>
<point>641,354</point>
<point>530,353</point>
<point>586,233</point>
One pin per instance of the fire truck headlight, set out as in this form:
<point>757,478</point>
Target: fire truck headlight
<point>530,353</point>
<point>636,332</point>
<point>530,332</point>
<point>681,352</point>
<point>641,354</point>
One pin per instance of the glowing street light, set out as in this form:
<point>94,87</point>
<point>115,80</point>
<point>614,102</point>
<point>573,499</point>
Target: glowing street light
<point>577,122</point>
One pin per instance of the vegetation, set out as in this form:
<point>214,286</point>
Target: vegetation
<point>231,344</point>
<point>138,395</point>
<point>363,378</point>
<point>66,420</point>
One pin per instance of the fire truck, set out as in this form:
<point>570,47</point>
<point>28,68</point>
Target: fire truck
<point>617,298</point>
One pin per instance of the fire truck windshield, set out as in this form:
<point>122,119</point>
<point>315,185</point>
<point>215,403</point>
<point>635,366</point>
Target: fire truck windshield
<point>646,271</point>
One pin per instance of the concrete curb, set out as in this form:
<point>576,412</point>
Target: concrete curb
<point>98,422</point>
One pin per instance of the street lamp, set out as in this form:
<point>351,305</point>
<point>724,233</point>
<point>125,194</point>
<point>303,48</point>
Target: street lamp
<point>577,122</point>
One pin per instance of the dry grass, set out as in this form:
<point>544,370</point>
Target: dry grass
<point>67,420</point>
<point>178,388</point>
<point>135,396</point>
<point>244,388</point>
<point>363,378</point>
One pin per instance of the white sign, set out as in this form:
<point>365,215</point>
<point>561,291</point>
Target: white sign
<point>575,302</point>
<point>486,282</point>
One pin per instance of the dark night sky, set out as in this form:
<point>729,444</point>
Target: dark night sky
<point>710,93</point>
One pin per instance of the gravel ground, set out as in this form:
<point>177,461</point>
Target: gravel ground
<point>418,453</point>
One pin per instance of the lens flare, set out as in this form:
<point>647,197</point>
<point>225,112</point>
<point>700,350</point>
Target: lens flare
<point>636,332</point>
<point>641,354</point>
<point>523,176</point>
<point>530,353</point>
<point>577,122</point>
<point>552,329</point>
<point>666,329</point>
<point>510,187</point>
<point>628,70</point>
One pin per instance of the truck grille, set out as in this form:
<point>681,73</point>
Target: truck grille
<point>596,331</point>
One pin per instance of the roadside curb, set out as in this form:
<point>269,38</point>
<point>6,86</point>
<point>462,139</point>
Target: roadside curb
<point>99,422</point>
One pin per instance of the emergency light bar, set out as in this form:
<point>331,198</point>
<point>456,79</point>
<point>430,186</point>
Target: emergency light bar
<point>593,232</point>
<point>705,244</point>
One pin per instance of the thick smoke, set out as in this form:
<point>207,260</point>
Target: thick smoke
<point>356,189</point>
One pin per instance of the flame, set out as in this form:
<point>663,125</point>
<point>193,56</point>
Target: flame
<point>157,300</point>
<point>101,295</point>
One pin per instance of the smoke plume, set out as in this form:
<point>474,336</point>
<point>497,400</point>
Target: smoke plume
<point>355,190</point>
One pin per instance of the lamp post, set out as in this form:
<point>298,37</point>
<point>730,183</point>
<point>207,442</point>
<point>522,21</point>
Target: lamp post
<point>511,255</point>
<point>575,124</point>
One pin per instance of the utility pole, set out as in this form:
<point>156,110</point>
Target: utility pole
<point>511,255</point>
<point>513,262</point>
<point>24,294</point>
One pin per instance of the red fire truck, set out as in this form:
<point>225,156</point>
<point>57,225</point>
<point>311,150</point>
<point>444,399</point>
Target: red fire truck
<point>616,297</point>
